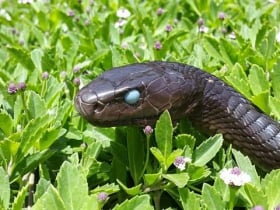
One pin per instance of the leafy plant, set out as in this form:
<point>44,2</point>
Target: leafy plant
<point>51,158</point>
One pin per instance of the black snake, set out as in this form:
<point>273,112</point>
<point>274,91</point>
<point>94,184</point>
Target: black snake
<point>185,91</point>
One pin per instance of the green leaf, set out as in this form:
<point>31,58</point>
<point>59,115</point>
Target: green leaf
<point>5,188</point>
<point>8,125</point>
<point>33,132</point>
<point>270,184</point>
<point>255,195</point>
<point>212,198</point>
<point>207,150</point>
<point>180,180</point>
<point>158,155</point>
<point>18,203</point>
<point>274,104</point>
<point>245,165</point>
<point>257,80</point>
<point>72,186</point>
<point>21,56</point>
<point>131,190</point>
<point>189,200</point>
<point>151,179</point>
<point>36,57</point>
<point>197,173</point>
<point>261,100</point>
<point>108,188</point>
<point>41,188</point>
<point>164,133</point>
<point>136,203</point>
<point>36,105</point>
<point>50,200</point>
<point>136,156</point>
<point>182,140</point>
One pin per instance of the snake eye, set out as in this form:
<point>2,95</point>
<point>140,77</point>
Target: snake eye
<point>132,97</point>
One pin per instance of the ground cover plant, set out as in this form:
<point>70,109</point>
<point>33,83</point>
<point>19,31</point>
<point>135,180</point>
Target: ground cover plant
<point>50,158</point>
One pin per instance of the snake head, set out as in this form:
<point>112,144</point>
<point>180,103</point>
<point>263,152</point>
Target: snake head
<point>105,102</point>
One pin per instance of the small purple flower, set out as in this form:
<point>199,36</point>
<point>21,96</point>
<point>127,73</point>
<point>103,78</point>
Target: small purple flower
<point>76,69</point>
<point>21,86</point>
<point>77,81</point>
<point>221,16</point>
<point>120,23</point>
<point>63,75</point>
<point>12,88</point>
<point>234,176</point>
<point>181,161</point>
<point>224,30</point>
<point>203,29</point>
<point>232,35</point>
<point>148,130</point>
<point>157,45</point>
<point>258,207</point>
<point>123,13</point>
<point>102,196</point>
<point>200,21</point>
<point>45,75</point>
<point>160,11</point>
<point>71,13</point>
<point>277,207</point>
<point>87,22</point>
<point>168,28</point>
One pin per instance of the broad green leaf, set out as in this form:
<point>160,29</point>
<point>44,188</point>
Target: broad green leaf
<point>54,90</point>
<point>189,200</point>
<point>211,45</point>
<point>164,133</point>
<point>212,198</point>
<point>41,188</point>
<point>8,125</point>
<point>238,80</point>
<point>245,165</point>
<point>270,186</point>
<point>182,140</point>
<point>50,136</point>
<point>258,80</point>
<point>108,188</point>
<point>171,158</point>
<point>271,42</point>
<point>151,179</point>
<point>255,195</point>
<point>5,188</point>
<point>275,79</point>
<point>131,190</point>
<point>197,173</point>
<point>19,201</point>
<point>21,56</point>
<point>274,104</point>
<point>136,155</point>
<point>72,186</point>
<point>158,155</point>
<point>33,132</point>
<point>50,200</point>
<point>91,203</point>
<point>262,100</point>
<point>36,57</point>
<point>36,105</point>
<point>207,150</point>
<point>180,179</point>
<point>136,203</point>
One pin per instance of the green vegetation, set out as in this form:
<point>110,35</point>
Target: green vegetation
<point>51,48</point>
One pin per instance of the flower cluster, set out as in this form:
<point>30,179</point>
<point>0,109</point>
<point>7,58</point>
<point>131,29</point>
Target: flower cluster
<point>122,14</point>
<point>234,176</point>
<point>181,161</point>
<point>13,88</point>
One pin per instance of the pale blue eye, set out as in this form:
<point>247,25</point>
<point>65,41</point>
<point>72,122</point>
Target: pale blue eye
<point>132,97</point>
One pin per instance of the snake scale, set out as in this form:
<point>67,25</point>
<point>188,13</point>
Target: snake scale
<point>186,91</point>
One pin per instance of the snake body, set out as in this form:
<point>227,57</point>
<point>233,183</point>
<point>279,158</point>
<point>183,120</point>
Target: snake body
<point>185,91</point>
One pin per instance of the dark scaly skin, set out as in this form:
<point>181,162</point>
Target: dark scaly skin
<point>185,91</point>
